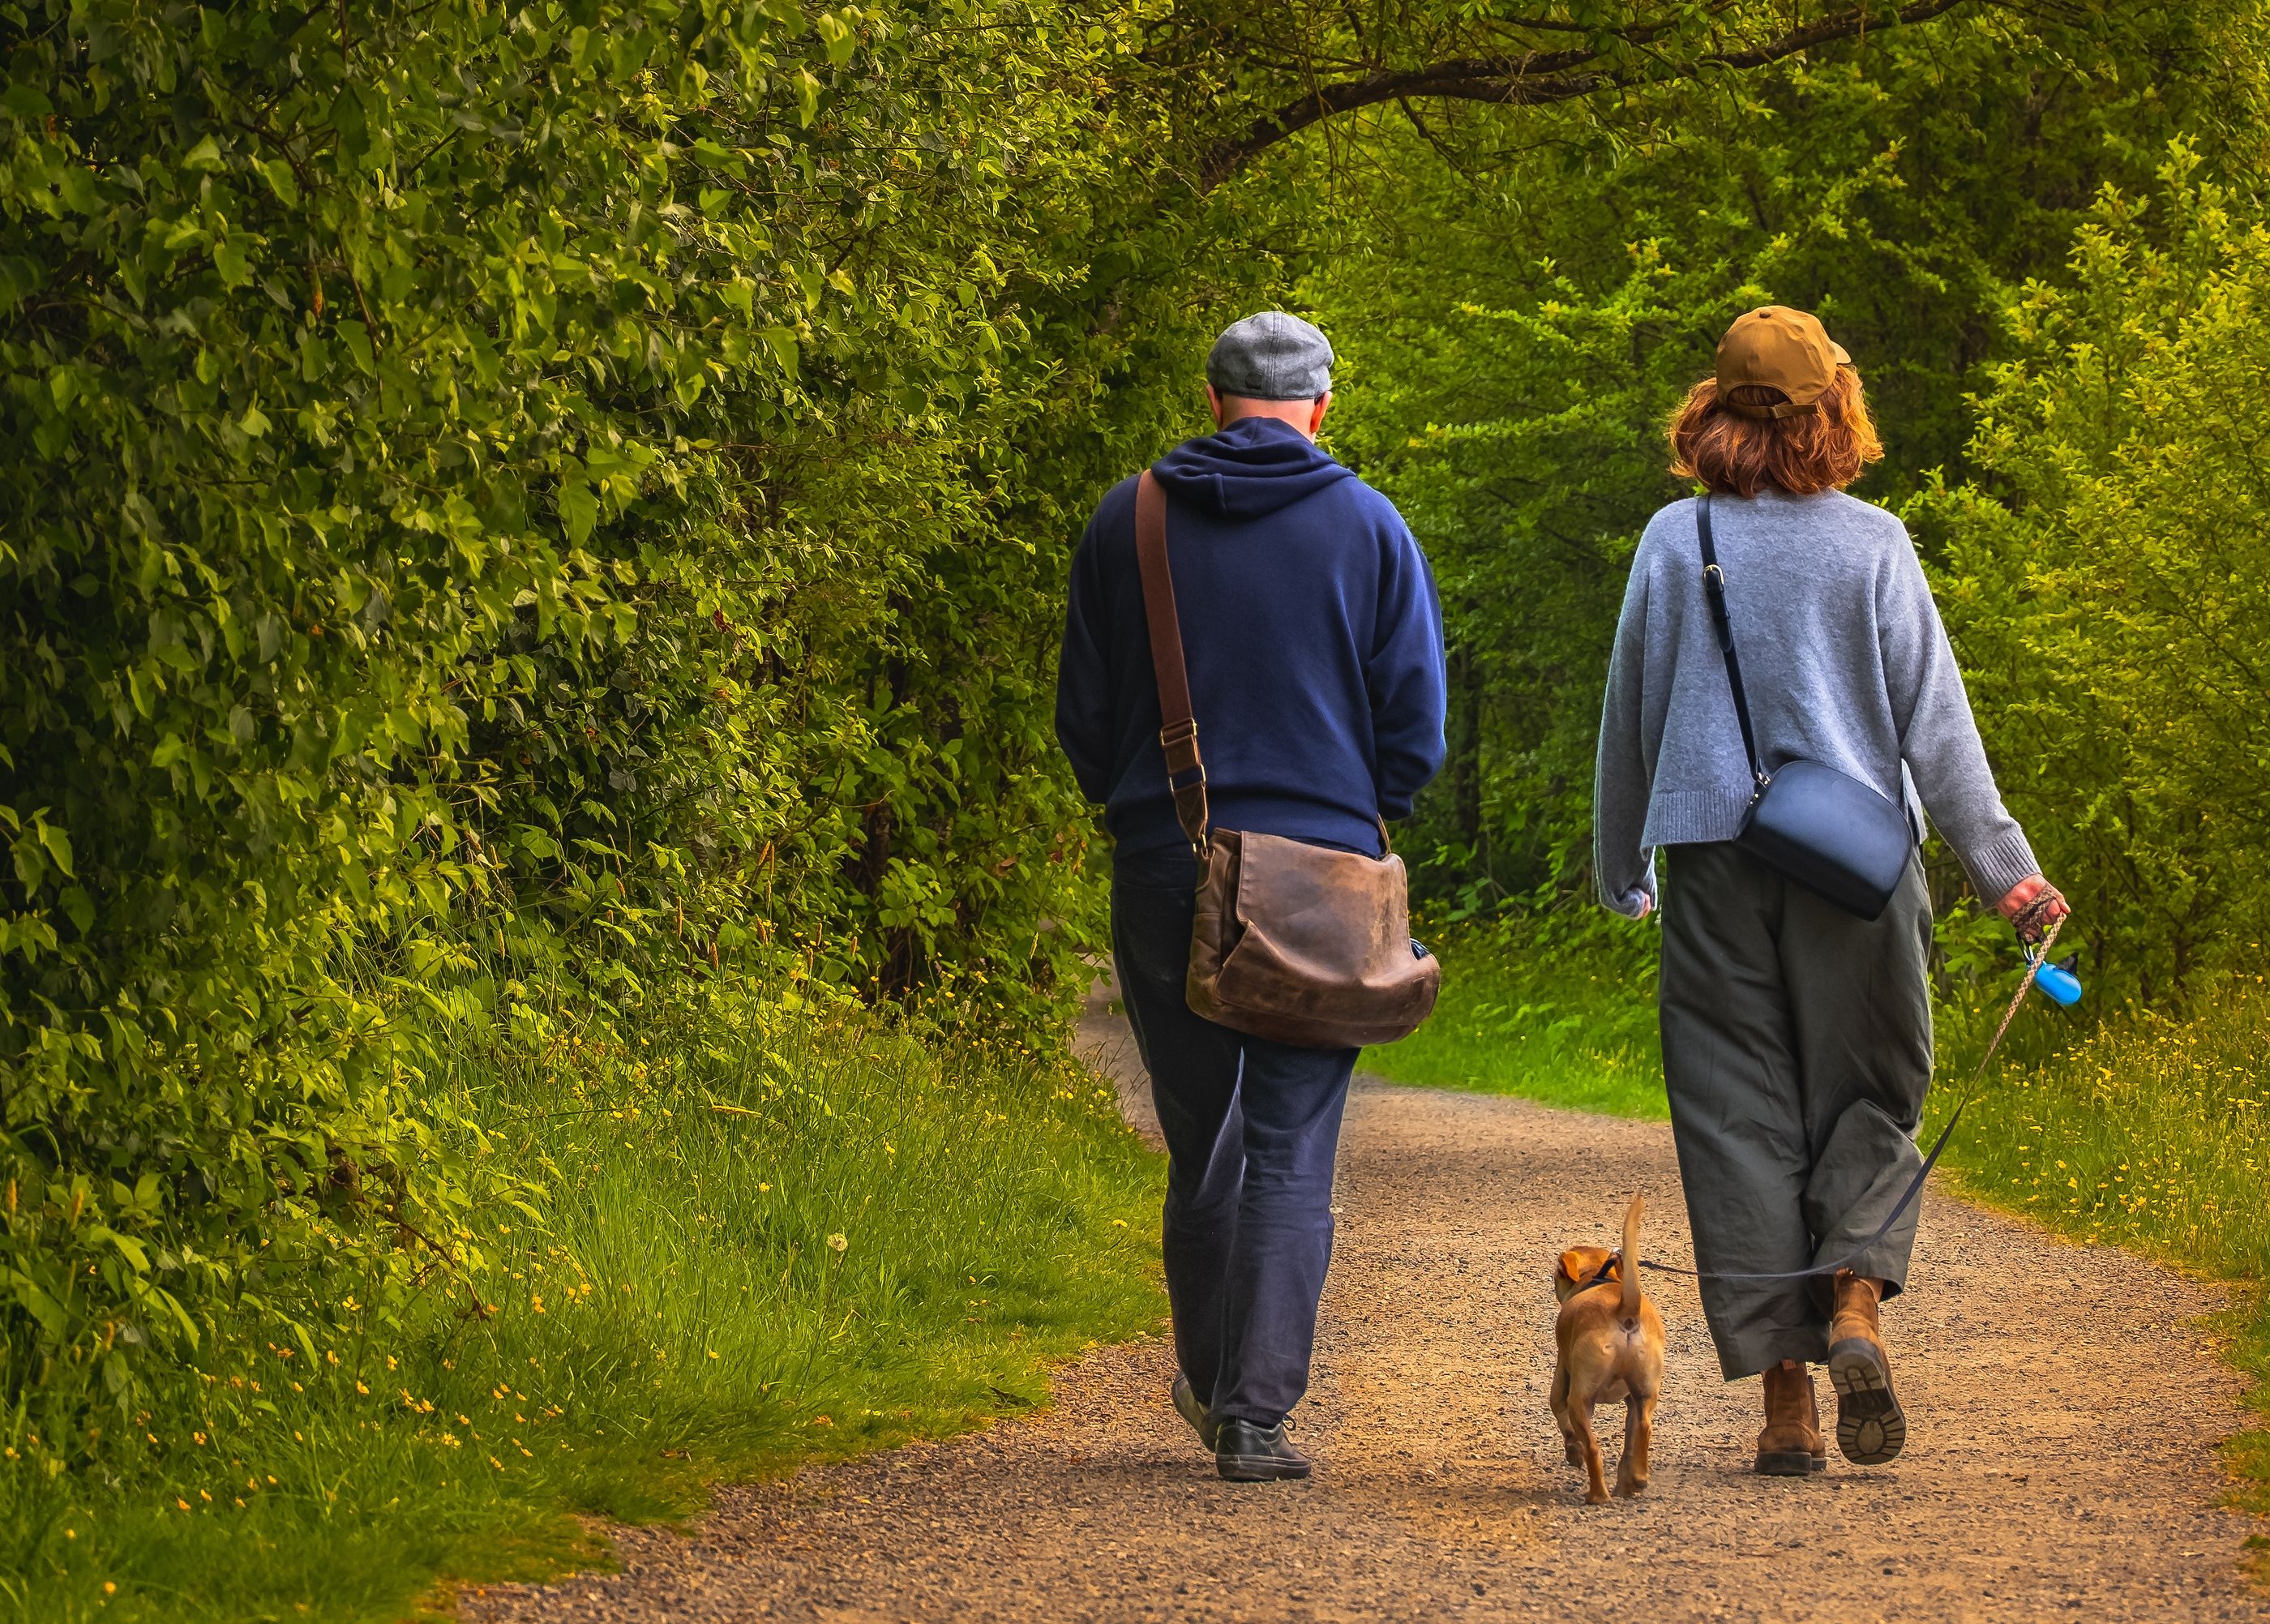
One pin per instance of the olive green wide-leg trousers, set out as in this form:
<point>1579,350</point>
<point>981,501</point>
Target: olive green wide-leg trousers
<point>1797,1052</point>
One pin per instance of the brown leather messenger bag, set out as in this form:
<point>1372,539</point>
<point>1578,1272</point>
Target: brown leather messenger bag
<point>1295,942</point>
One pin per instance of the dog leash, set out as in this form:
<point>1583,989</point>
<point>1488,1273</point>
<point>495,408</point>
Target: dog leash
<point>2036,955</point>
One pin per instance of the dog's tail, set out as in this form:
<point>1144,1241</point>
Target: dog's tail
<point>1627,1261</point>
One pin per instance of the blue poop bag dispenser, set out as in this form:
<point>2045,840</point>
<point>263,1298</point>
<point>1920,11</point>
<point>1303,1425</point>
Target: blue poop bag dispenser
<point>2057,981</point>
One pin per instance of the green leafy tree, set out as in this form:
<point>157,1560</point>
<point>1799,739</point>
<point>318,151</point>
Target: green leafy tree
<point>1522,319</point>
<point>2108,576</point>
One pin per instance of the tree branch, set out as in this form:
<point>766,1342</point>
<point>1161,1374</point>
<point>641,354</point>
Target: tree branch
<point>1537,78</point>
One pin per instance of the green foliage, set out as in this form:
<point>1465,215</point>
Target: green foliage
<point>520,510</point>
<point>774,1237</point>
<point>1521,321</point>
<point>2109,577</point>
<point>512,505</point>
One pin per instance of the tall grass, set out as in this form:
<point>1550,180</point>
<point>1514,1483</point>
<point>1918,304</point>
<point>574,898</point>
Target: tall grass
<point>2148,1131</point>
<point>761,1237</point>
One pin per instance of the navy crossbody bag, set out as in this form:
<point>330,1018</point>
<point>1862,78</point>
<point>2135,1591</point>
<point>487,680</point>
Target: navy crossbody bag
<point>1822,829</point>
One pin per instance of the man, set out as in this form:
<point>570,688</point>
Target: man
<point>1315,651</point>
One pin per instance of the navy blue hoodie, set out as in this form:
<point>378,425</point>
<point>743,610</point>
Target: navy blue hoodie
<point>1310,630</point>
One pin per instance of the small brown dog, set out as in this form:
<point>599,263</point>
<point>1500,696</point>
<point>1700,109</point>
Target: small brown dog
<point>1610,1343</point>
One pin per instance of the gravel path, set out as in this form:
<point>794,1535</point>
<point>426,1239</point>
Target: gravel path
<point>2064,1412</point>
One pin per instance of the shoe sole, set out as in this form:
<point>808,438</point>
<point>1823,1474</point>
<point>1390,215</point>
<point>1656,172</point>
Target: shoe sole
<point>1871,1427</point>
<point>1187,1406</point>
<point>1259,1469</point>
<point>1787,1463</point>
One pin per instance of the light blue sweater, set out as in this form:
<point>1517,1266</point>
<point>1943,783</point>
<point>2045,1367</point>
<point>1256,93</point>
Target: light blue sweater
<point>1844,661</point>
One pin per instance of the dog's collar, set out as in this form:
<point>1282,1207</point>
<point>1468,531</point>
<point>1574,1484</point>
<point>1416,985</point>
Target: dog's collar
<point>1601,1277</point>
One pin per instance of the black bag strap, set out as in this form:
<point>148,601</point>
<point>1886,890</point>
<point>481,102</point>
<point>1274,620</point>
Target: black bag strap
<point>1714,588</point>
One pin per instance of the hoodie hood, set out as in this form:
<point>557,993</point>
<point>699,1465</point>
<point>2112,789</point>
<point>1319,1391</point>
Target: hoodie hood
<point>1252,468</point>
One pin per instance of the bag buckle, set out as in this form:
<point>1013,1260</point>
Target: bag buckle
<point>1178,741</point>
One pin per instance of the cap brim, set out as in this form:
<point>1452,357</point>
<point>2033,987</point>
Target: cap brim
<point>1838,351</point>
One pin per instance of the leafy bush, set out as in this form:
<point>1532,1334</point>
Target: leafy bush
<point>2109,578</point>
<point>510,507</point>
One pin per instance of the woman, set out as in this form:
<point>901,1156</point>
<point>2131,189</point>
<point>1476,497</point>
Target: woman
<point>1797,1044</point>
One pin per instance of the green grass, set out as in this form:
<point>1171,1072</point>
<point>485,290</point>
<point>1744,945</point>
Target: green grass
<point>764,1238</point>
<point>2140,1131</point>
<point>2149,1133</point>
<point>1575,1029</point>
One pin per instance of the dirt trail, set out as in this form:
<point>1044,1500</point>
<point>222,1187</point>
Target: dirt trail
<point>2064,1411</point>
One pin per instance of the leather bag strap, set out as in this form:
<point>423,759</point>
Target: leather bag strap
<point>1178,737</point>
<point>1714,588</point>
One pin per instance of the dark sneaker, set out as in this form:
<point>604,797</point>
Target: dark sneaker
<point>1871,1427</point>
<point>1247,1453</point>
<point>1186,1401</point>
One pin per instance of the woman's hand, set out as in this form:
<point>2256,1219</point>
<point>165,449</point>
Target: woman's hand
<point>2032,907</point>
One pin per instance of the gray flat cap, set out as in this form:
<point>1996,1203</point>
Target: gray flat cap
<point>1271,356</point>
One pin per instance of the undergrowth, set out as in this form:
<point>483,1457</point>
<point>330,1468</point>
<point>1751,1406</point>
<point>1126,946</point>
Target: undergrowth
<point>755,1238</point>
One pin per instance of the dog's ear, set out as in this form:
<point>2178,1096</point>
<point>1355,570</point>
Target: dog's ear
<point>1572,1266</point>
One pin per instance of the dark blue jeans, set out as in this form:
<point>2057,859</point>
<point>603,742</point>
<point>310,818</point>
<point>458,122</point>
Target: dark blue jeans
<point>1252,1129</point>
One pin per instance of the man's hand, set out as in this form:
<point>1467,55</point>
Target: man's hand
<point>2032,907</point>
<point>1646,905</point>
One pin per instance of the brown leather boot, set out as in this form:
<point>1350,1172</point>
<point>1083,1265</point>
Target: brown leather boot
<point>1813,1418</point>
<point>1871,1427</point>
<point>1791,1445</point>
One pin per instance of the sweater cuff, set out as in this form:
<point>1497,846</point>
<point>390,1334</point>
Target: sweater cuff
<point>1634,902</point>
<point>1997,866</point>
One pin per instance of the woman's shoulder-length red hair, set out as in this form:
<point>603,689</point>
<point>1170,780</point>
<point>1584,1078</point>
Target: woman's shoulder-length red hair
<point>1825,451</point>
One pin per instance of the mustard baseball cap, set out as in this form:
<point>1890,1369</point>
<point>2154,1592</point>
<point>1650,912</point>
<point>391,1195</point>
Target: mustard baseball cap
<point>1785,349</point>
